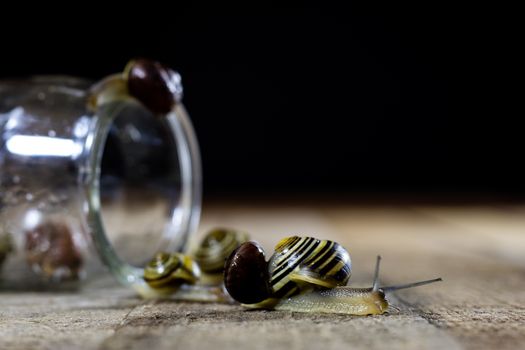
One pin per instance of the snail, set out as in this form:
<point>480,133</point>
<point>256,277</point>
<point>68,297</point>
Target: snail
<point>197,277</point>
<point>166,272</point>
<point>304,274</point>
<point>176,276</point>
<point>214,249</point>
<point>51,251</point>
<point>156,86</point>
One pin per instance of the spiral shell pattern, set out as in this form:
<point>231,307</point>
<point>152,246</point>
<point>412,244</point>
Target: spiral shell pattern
<point>217,247</point>
<point>299,262</point>
<point>171,270</point>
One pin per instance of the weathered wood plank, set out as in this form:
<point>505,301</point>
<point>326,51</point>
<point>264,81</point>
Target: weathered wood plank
<point>191,326</point>
<point>477,250</point>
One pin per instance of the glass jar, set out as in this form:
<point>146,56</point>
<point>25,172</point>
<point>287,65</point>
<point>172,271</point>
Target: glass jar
<point>117,179</point>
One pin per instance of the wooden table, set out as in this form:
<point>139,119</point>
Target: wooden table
<point>479,250</point>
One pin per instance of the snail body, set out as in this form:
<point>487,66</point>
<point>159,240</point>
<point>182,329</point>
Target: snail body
<point>346,300</point>
<point>313,281</point>
<point>338,300</point>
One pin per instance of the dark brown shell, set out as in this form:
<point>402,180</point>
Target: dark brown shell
<point>51,252</point>
<point>246,275</point>
<point>155,85</point>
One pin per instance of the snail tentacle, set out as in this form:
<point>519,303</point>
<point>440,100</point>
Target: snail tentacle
<point>409,285</point>
<point>375,283</point>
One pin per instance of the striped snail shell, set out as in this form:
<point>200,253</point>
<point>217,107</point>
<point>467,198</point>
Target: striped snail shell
<point>298,263</point>
<point>169,271</point>
<point>216,247</point>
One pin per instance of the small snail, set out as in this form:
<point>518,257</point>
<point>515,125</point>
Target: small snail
<point>51,251</point>
<point>180,276</point>
<point>304,274</point>
<point>215,248</point>
<point>177,276</point>
<point>156,86</point>
<point>167,272</point>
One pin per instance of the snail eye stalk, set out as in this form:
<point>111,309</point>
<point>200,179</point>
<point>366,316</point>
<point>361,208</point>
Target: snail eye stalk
<point>375,283</point>
<point>409,285</point>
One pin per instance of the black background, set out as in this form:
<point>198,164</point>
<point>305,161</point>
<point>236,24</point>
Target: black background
<point>395,99</point>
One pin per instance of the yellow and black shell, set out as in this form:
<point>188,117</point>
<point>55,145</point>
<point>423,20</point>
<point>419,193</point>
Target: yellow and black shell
<point>216,247</point>
<point>300,262</point>
<point>169,271</point>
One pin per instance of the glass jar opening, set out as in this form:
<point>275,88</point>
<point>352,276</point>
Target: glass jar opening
<point>140,184</point>
<point>144,190</point>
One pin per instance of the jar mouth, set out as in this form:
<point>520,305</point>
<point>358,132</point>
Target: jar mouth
<point>144,183</point>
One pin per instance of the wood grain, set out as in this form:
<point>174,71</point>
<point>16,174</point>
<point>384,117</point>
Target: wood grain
<point>478,250</point>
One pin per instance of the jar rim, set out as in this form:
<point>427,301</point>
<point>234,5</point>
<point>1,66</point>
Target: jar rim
<point>184,216</point>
